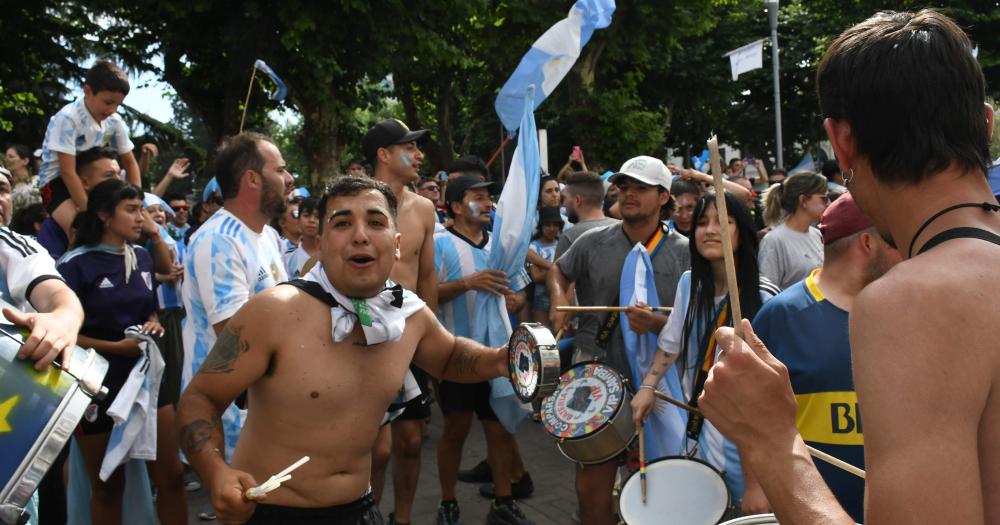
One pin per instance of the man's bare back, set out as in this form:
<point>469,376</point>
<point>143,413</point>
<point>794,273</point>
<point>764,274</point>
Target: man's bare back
<point>416,245</point>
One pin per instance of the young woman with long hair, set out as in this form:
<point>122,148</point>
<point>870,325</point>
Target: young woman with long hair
<point>794,248</point>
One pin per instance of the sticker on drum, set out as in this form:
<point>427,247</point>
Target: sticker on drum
<point>524,366</point>
<point>588,396</point>
<point>689,491</point>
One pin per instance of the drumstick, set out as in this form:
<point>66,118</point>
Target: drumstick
<point>727,243</point>
<point>642,460</point>
<point>274,481</point>
<point>608,308</point>
<point>819,454</point>
<point>559,333</point>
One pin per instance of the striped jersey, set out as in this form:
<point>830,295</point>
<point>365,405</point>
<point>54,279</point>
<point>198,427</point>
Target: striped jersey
<point>25,264</point>
<point>227,263</point>
<point>169,295</point>
<point>455,257</point>
<point>72,130</point>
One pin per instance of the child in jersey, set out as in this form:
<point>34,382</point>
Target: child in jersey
<point>550,225</point>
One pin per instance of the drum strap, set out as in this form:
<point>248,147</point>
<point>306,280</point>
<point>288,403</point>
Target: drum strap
<point>653,245</point>
<point>705,358</point>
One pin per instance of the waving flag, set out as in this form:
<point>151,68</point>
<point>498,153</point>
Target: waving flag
<point>700,162</point>
<point>281,92</point>
<point>806,164</point>
<point>512,229</point>
<point>551,57</point>
<point>746,58</point>
<point>665,426</point>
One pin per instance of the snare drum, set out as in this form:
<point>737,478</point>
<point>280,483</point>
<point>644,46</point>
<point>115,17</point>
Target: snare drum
<point>38,413</point>
<point>679,490</point>
<point>590,413</point>
<point>756,519</point>
<point>533,362</point>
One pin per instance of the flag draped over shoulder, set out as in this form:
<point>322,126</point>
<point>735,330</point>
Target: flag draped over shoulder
<point>551,57</point>
<point>281,90</point>
<point>512,229</point>
<point>665,426</point>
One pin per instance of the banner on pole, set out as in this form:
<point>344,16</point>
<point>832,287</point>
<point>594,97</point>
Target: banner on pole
<point>746,58</point>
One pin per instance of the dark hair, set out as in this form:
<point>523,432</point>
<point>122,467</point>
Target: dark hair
<point>22,151</point>
<point>174,197</point>
<point>349,186</point>
<point>103,198</point>
<point>425,180</point>
<point>701,301</point>
<point>308,205</point>
<point>86,158</point>
<point>912,92</point>
<point>26,218</point>
<point>541,186</point>
<point>469,165</point>
<point>781,200</point>
<point>235,156</point>
<point>830,168</point>
<point>682,187</point>
<point>588,185</point>
<point>106,76</point>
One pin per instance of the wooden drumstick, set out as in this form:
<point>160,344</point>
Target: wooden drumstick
<point>608,308</point>
<point>727,243</point>
<point>642,460</point>
<point>816,453</point>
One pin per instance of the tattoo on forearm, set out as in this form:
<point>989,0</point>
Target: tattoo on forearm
<point>226,351</point>
<point>195,435</point>
<point>465,359</point>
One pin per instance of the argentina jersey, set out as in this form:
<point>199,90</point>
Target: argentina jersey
<point>809,334</point>
<point>168,295</point>
<point>25,264</point>
<point>455,258</point>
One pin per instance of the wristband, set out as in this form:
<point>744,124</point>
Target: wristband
<point>651,387</point>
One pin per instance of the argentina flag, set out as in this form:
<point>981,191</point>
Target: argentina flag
<point>512,229</point>
<point>281,90</point>
<point>665,426</point>
<point>551,57</point>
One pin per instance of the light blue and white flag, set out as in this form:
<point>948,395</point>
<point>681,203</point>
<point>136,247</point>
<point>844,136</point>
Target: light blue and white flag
<point>281,90</point>
<point>806,164</point>
<point>666,423</point>
<point>551,57</point>
<point>700,163</point>
<point>512,229</point>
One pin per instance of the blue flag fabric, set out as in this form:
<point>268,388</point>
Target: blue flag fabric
<point>665,426</point>
<point>700,162</point>
<point>281,92</point>
<point>806,164</point>
<point>551,57</point>
<point>512,229</point>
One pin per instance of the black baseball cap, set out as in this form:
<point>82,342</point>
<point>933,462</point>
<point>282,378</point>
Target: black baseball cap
<point>457,187</point>
<point>388,133</point>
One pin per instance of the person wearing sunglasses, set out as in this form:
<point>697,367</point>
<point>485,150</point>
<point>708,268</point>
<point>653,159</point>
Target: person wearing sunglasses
<point>794,248</point>
<point>178,225</point>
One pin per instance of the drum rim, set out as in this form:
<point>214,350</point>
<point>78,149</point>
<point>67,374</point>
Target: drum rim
<point>625,388</point>
<point>729,494</point>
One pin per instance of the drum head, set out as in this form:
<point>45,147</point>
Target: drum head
<point>679,490</point>
<point>756,519</point>
<point>588,396</point>
<point>524,362</point>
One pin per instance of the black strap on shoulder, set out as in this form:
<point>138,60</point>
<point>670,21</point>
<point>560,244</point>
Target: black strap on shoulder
<point>960,233</point>
<point>986,206</point>
<point>314,289</point>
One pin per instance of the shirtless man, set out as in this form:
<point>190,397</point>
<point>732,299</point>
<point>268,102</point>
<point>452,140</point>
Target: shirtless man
<point>392,150</point>
<point>904,104</point>
<point>310,394</point>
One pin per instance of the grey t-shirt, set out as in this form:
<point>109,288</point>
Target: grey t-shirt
<point>570,236</point>
<point>787,256</point>
<point>594,262</point>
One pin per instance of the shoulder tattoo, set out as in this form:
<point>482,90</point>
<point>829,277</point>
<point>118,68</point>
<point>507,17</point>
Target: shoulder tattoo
<point>226,351</point>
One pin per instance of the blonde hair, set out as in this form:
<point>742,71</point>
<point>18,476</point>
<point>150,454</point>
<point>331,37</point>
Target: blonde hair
<point>782,199</point>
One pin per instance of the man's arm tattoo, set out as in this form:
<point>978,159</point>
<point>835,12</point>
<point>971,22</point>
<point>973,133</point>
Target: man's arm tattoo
<point>198,433</point>
<point>465,359</point>
<point>227,349</point>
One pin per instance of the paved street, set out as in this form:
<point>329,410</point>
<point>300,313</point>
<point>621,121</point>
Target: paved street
<point>553,503</point>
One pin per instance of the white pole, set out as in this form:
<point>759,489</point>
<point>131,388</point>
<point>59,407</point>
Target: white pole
<point>772,15</point>
<point>543,149</point>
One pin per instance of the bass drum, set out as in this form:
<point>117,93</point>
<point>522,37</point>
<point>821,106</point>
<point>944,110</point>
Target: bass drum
<point>679,491</point>
<point>38,412</point>
<point>590,414</point>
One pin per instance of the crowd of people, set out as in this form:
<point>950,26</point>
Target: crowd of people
<point>267,324</point>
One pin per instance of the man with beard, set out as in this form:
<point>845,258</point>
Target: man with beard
<point>594,264</point>
<point>806,329</point>
<point>234,255</point>
<point>320,386</point>
<point>584,206</point>
<point>392,150</point>
<point>924,335</point>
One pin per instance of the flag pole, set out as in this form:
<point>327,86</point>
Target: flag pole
<point>772,15</point>
<point>253,75</point>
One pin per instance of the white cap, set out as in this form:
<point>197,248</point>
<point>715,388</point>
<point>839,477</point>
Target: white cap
<point>647,170</point>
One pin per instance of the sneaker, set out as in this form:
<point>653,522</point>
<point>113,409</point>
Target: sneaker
<point>520,489</point>
<point>480,473</point>
<point>506,515</point>
<point>392,520</point>
<point>192,486</point>
<point>448,515</point>
<point>207,513</point>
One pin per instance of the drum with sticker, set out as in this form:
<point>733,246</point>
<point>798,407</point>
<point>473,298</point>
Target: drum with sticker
<point>38,412</point>
<point>533,362</point>
<point>687,490</point>
<point>590,413</point>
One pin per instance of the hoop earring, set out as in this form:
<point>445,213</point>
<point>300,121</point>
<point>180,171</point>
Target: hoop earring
<point>850,177</point>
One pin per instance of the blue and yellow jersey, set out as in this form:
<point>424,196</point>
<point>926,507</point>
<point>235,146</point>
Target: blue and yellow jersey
<point>809,335</point>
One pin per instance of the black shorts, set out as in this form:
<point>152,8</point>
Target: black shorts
<point>54,193</point>
<point>419,411</point>
<point>96,419</point>
<point>360,512</point>
<point>172,349</point>
<point>461,397</point>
